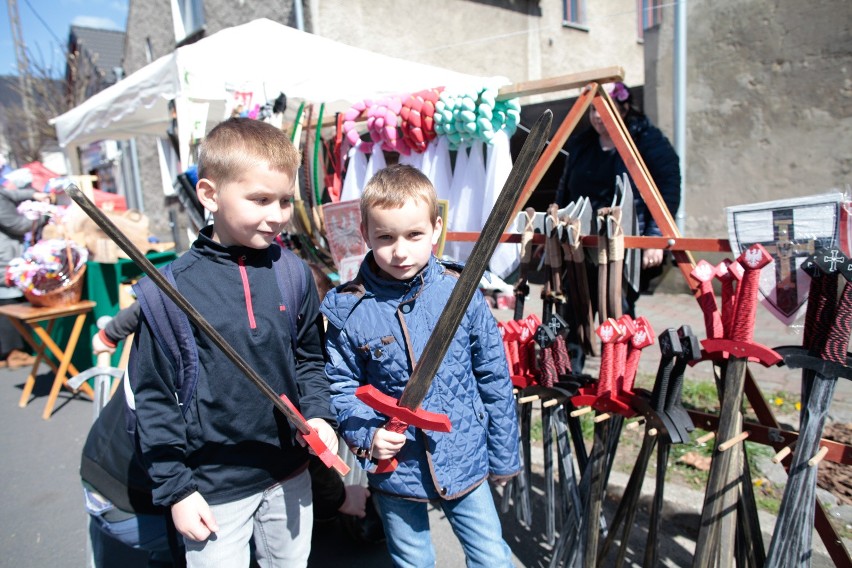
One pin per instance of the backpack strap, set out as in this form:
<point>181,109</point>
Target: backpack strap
<point>173,332</point>
<point>291,274</point>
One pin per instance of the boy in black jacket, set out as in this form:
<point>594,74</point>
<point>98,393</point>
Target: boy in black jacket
<point>118,490</point>
<point>230,466</point>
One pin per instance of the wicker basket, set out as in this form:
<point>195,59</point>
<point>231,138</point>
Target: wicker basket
<point>64,296</point>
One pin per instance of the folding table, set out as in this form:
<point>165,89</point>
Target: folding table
<point>35,325</point>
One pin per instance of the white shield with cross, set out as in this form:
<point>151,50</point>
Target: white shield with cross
<point>790,230</point>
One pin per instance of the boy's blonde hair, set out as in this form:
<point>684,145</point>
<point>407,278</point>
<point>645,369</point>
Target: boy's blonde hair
<point>395,185</point>
<point>238,144</point>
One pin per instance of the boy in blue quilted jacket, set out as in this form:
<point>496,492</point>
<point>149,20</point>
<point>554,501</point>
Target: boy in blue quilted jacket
<point>378,325</point>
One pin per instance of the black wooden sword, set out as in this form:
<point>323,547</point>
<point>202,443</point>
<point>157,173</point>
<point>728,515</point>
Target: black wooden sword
<point>791,543</point>
<point>282,403</point>
<point>407,409</point>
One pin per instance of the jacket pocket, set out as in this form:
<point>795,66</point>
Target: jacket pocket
<point>386,362</point>
<point>379,348</point>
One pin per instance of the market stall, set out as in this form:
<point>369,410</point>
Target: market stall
<point>258,60</point>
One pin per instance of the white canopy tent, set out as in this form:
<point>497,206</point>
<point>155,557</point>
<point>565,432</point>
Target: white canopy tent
<point>262,56</point>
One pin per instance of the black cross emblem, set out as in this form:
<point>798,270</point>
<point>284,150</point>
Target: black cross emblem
<point>834,260</point>
<point>785,248</point>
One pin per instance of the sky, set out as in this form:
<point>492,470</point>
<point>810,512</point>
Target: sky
<point>45,25</point>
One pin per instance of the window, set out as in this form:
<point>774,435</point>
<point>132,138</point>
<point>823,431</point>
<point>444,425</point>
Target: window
<point>188,17</point>
<point>650,15</point>
<point>149,50</point>
<point>574,13</point>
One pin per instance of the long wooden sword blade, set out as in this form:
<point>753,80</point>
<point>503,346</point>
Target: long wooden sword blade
<point>501,215</point>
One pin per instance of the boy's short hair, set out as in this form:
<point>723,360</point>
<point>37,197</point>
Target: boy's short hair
<point>237,144</point>
<point>394,185</point>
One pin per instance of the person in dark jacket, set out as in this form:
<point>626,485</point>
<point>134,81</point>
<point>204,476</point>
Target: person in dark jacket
<point>378,325</point>
<point>120,326</point>
<point>593,164</point>
<point>117,493</point>
<point>13,227</point>
<point>591,169</point>
<point>117,488</point>
<point>230,466</point>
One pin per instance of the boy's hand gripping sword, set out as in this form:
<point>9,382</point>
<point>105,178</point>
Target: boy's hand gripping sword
<point>282,403</point>
<point>406,411</point>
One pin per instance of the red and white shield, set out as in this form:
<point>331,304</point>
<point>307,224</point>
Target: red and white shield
<point>790,230</point>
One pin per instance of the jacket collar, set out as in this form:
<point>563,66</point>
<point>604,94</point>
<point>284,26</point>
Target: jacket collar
<point>227,254</point>
<point>381,287</point>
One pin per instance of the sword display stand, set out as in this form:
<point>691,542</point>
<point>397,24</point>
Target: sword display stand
<point>766,430</point>
<point>823,358</point>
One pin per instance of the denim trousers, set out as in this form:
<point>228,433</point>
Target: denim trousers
<point>279,520</point>
<point>144,532</point>
<point>474,521</point>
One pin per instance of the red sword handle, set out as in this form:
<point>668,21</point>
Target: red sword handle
<point>704,273</point>
<point>609,333</point>
<point>389,465</point>
<point>606,397</point>
<point>560,356</point>
<point>828,335</point>
<point>400,418</point>
<point>547,367</point>
<point>740,344</point>
<point>820,314</point>
<point>838,336</point>
<point>642,338</point>
<point>752,260</point>
<point>313,440</point>
<point>729,272</point>
<point>622,347</point>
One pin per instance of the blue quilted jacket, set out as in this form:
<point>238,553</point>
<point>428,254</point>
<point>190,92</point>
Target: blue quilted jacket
<point>377,330</point>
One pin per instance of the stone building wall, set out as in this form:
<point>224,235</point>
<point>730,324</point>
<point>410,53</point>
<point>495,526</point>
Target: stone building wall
<point>519,40</point>
<point>769,102</point>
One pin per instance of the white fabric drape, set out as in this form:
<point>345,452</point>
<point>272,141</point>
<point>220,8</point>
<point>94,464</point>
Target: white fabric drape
<point>506,257</point>
<point>441,170</point>
<point>355,176</point>
<point>375,163</point>
<point>414,159</point>
<point>466,197</point>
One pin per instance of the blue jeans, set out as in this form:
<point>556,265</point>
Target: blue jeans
<point>473,518</point>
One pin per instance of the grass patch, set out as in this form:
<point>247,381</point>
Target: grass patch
<point>785,403</point>
<point>700,395</point>
<point>693,477</point>
<point>535,429</point>
<point>766,495</point>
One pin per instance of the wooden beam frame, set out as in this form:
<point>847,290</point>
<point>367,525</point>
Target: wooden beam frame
<point>641,177</point>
